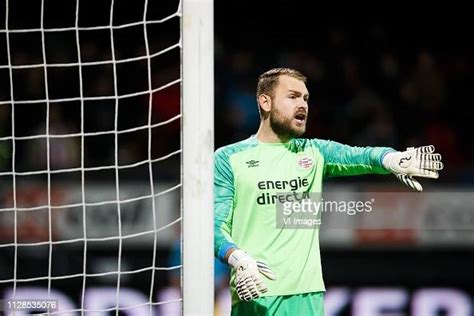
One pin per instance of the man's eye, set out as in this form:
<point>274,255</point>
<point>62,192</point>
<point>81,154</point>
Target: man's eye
<point>292,96</point>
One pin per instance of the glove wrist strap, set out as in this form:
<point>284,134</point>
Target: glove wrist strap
<point>235,256</point>
<point>387,159</point>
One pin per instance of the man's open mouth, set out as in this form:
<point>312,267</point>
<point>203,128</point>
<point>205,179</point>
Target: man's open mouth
<point>301,117</point>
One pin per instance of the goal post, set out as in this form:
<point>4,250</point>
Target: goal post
<point>197,156</point>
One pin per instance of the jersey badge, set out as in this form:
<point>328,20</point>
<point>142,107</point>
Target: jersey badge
<point>305,162</point>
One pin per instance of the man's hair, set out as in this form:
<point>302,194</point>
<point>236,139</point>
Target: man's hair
<point>268,81</point>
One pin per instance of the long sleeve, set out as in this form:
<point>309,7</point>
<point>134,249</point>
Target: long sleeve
<point>223,204</point>
<point>345,160</point>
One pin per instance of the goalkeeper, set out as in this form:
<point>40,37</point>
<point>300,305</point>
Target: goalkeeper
<point>278,271</point>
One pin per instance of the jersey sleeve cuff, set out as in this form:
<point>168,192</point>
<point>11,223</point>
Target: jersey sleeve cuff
<point>224,248</point>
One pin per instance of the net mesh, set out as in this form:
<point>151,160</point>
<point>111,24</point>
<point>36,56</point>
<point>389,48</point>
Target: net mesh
<point>89,152</point>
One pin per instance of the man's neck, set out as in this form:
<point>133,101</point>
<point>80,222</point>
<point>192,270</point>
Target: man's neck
<point>266,135</point>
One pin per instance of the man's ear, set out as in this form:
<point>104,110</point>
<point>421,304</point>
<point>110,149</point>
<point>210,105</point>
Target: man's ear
<point>265,103</point>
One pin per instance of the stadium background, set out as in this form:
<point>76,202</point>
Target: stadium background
<point>373,79</point>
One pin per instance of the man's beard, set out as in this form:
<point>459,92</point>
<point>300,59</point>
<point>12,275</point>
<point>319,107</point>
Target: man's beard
<point>283,127</point>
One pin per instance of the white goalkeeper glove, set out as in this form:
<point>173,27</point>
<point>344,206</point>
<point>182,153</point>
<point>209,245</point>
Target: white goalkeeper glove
<point>249,283</point>
<point>414,162</point>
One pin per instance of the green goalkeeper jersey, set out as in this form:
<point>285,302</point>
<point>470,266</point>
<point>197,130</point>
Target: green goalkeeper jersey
<point>248,174</point>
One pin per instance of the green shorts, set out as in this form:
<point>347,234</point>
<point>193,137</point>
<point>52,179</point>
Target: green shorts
<point>310,304</point>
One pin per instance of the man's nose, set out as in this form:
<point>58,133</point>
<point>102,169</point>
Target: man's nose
<point>303,105</point>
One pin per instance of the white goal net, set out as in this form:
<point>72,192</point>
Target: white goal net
<point>106,143</point>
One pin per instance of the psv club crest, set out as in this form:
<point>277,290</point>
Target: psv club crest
<point>305,162</point>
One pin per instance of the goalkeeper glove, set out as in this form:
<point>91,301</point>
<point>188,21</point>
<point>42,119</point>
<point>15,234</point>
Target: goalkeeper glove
<point>414,162</point>
<point>249,283</point>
